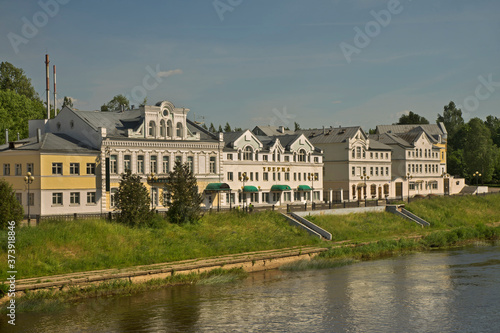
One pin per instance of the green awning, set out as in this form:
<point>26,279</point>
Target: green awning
<point>217,187</point>
<point>250,189</point>
<point>304,188</point>
<point>280,188</point>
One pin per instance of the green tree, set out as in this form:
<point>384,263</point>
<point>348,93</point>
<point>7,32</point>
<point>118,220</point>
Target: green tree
<point>15,111</point>
<point>212,128</point>
<point>132,201</point>
<point>104,107</point>
<point>185,201</point>
<point>493,124</point>
<point>204,126</point>
<point>13,78</point>
<point>480,154</point>
<point>412,118</point>
<point>10,208</point>
<point>297,126</point>
<point>67,102</point>
<point>117,102</point>
<point>227,128</point>
<point>220,129</point>
<point>452,119</point>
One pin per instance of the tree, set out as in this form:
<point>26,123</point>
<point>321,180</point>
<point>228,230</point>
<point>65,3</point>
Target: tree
<point>212,128</point>
<point>452,119</point>
<point>297,127</point>
<point>117,102</point>
<point>15,111</point>
<point>227,128</point>
<point>238,129</point>
<point>493,124</point>
<point>10,209</point>
<point>14,79</point>
<point>480,154</point>
<point>132,200</point>
<point>184,206</point>
<point>220,129</point>
<point>204,126</point>
<point>412,118</point>
<point>67,102</point>
<point>104,107</point>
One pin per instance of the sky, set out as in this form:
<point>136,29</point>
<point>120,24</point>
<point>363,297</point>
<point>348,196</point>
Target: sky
<point>257,62</point>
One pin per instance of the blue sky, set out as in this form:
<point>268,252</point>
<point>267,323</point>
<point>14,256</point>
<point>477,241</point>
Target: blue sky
<point>266,62</point>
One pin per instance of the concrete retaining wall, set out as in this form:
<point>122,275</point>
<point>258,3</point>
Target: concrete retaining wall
<point>343,211</point>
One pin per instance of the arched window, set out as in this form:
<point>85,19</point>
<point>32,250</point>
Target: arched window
<point>169,128</point>
<point>152,128</point>
<point>179,129</point>
<point>163,129</point>
<point>302,155</point>
<point>248,154</point>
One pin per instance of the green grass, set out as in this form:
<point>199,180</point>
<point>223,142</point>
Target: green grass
<point>65,247</point>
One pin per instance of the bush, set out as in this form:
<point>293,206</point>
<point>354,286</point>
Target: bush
<point>10,208</point>
<point>132,200</point>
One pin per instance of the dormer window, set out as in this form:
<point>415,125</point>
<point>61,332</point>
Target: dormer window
<point>152,128</point>
<point>179,130</point>
<point>248,154</point>
<point>163,128</point>
<point>165,113</point>
<point>302,155</point>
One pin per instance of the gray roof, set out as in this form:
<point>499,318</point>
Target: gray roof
<point>329,135</point>
<point>270,131</point>
<point>433,130</point>
<point>389,139</point>
<point>50,142</point>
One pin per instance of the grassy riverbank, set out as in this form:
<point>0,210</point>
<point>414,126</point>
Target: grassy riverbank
<point>65,247</point>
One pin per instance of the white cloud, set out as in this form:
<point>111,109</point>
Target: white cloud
<point>169,73</point>
<point>336,102</point>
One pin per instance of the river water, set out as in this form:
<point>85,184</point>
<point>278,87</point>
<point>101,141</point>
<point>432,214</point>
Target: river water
<point>440,291</point>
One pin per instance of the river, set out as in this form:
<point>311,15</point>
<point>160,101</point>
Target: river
<point>441,291</point>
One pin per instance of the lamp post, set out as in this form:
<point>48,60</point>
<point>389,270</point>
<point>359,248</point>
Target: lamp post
<point>408,177</point>
<point>477,175</point>
<point>365,178</point>
<point>28,179</point>
<point>152,178</point>
<point>243,178</point>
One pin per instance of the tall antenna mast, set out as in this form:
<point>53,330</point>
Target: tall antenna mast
<point>47,83</point>
<point>55,92</point>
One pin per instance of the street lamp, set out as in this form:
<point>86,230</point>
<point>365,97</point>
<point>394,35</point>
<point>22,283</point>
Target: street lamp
<point>312,177</point>
<point>477,175</point>
<point>365,178</point>
<point>243,178</point>
<point>152,178</point>
<point>408,177</point>
<point>28,179</point>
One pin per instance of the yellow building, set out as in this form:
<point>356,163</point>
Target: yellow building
<point>63,171</point>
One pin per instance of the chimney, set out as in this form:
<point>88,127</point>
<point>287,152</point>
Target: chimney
<point>221,136</point>
<point>324,132</point>
<point>47,83</point>
<point>55,93</point>
<point>38,135</point>
<point>18,136</point>
<point>281,129</point>
<point>6,135</point>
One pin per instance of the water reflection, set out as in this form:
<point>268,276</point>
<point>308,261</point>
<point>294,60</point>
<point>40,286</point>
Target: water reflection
<point>446,291</point>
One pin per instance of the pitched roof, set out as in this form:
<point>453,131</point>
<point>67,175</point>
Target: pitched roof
<point>270,131</point>
<point>433,130</point>
<point>116,123</point>
<point>51,142</point>
<point>330,135</point>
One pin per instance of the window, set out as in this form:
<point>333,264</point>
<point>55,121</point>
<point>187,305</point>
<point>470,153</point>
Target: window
<point>265,157</point>
<point>229,157</point>
<point>354,191</point>
<point>426,168</point>
<point>294,176</point>
<point>274,176</point>
<point>353,154</point>
<point>212,164</point>
<point>57,168</point>
<point>90,168</point>
<point>316,160</point>
<point>230,176</point>
<point>386,189</point>
<point>140,164</point>
<point>247,154</point>
<point>265,197</point>
<point>420,168</point>
<point>376,171</point>
<point>287,196</point>
<point>153,163</point>
<point>387,171</point>
<point>387,155</point>
<point>287,176</point>
<point>178,158</point>
<point>287,158</point>
<point>413,168</point>
<point>19,197</point>
<point>364,170</point>
<point>57,199</point>
<point>30,168</point>
<point>279,176</point>
<point>179,131</point>
<point>257,176</point>
<point>371,154</point>
<point>251,176</point>
<point>127,163</point>
<point>74,198</point>
<point>364,153</point>
<point>112,164</point>
<point>166,160</point>
<point>434,186</point>
<point>265,176</point>
<point>152,128</point>
<point>409,168</point>
<point>358,152</point>
<point>302,155</point>
<point>169,128</point>
<point>91,198</point>
<point>299,176</point>
<point>74,168</point>
<point>31,199</point>
<point>19,170</point>
<point>353,171</point>
<point>163,128</point>
<point>412,186</point>
<point>190,163</point>
<point>409,153</point>
<point>230,198</point>
<point>371,171</point>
